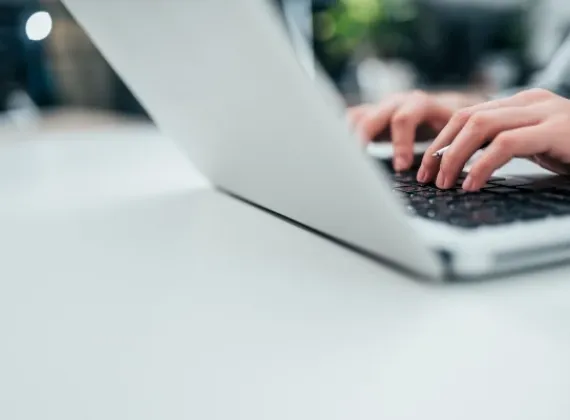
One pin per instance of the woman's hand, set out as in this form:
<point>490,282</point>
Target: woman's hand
<point>403,114</point>
<point>533,124</point>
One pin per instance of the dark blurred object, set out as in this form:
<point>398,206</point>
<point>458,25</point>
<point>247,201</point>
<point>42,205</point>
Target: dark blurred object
<point>334,64</point>
<point>22,62</point>
<point>450,40</point>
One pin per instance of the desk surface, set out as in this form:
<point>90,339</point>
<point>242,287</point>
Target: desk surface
<point>176,302</point>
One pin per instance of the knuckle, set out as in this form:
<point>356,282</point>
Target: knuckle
<point>462,116</point>
<point>504,142</point>
<point>428,154</point>
<point>478,120</point>
<point>428,161</point>
<point>401,119</point>
<point>535,93</point>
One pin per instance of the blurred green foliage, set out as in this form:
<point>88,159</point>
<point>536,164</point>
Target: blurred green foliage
<point>398,28</point>
<point>341,29</point>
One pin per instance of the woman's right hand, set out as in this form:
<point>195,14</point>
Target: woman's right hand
<point>403,114</point>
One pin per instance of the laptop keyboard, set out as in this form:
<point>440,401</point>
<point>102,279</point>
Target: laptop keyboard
<point>501,201</point>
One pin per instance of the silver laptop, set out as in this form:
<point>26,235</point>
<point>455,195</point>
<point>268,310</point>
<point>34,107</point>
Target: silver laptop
<point>221,79</point>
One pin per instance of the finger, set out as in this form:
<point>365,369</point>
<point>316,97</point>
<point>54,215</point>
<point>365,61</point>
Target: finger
<point>430,164</point>
<point>417,109</point>
<point>525,98</point>
<point>354,115</point>
<point>480,127</point>
<point>520,142</point>
<point>377,119</point>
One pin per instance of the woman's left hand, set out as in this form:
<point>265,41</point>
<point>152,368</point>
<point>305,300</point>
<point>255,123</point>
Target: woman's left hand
<point>533,124</point>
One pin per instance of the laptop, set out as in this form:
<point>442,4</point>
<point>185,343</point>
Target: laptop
<point>222,79</point>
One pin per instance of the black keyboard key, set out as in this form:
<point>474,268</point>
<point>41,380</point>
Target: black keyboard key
<point>500,190</point>
<point>558,182</point>
<point>520,196</point>
<point>562,188</point>
<point>424,194</point>
<point>530,214</point>
<point>405,177</point>
<point>510,182</point>
<point>396,184</point>
<point>554,206</point>
<point>443,194</point>
<point>501,201</point>
<point>409,189</point>
<point>470,205</point>
<point>415,198</point>
<point>440,201</point>
<point>481,195</point>
<point>555,196</point>
<point>455,192</point>
<point>545,183</point>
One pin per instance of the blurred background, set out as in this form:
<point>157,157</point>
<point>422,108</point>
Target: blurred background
<point>46,61</point>
<point>368,47</point>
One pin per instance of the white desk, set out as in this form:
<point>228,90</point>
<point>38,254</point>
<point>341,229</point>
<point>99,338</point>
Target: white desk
<point>171,302</point>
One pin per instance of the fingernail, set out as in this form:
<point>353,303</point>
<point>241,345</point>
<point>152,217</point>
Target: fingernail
<point>468,183</point>
<point>422,175</point>
<point>448,182</point>
<point>440,181</point>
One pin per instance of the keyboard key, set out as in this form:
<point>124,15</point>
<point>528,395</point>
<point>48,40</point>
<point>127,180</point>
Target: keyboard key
<point>546,184</point>
<point>501,201</point>
<point>470,204</point>
<point>510,182</point>
<point>530,214</point>
<point>563,188</point>
<point>519,196</point>
<point>440,201</point>
<point>500,190</point>
<point>397,184</point>
<point>555,195</point>
<point>409,189</point>
<point>405,177</point>
<point>424,194</point>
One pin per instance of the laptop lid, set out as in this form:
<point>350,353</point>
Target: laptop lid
<point>221,79</point>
